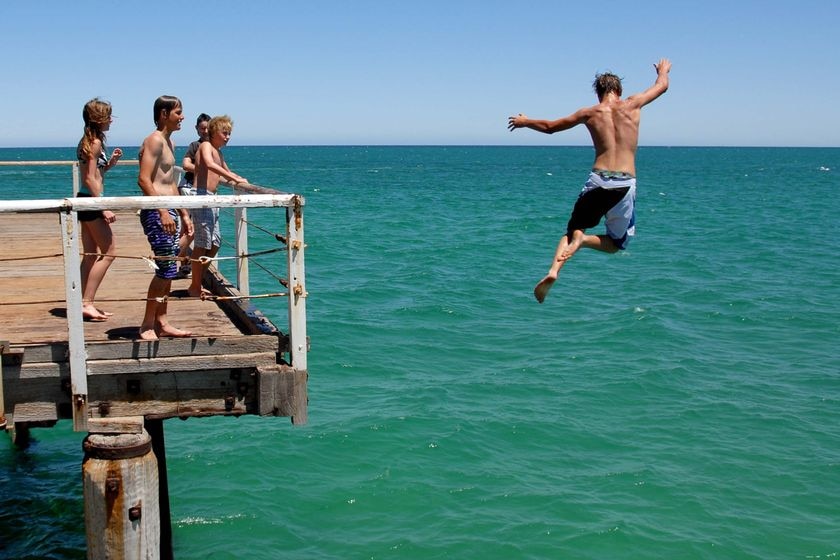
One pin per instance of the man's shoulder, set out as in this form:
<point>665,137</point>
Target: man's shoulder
<point>586,112</point>
<point>153,140</point>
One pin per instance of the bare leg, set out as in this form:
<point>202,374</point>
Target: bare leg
<point>565,249</point>
<point>158,288</point>
<point>97,237</point>
<point>184,251</point>
<point>198,268</point>
<point>599,243</point>
<point>162,325</point>
<point>155,322</point>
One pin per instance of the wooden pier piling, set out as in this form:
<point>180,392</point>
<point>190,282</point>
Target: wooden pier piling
<point>120,473</point>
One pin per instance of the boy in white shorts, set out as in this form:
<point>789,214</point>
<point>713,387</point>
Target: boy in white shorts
<point>210,168</point>
<point>185,188</point>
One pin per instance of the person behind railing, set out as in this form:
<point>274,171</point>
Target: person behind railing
<point>210,168</point>
<point>97,238</point>
<point>185,187</point>
<point>157,178</point>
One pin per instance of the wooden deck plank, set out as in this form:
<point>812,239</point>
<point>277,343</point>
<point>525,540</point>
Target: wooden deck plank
<point>122,292</point>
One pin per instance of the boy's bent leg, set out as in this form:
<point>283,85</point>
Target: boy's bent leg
<point>602,243</point>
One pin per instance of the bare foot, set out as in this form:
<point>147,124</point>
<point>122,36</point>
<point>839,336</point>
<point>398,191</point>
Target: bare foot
<point>169,331</point>
<point>92,314</point>
<point>541,290</point>
<point>148,334</point>
<point>106,313</point>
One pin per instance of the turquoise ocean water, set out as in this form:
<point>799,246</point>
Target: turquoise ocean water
<point>678,400</point>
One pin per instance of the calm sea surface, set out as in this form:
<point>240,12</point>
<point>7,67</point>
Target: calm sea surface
<point>678,400</point>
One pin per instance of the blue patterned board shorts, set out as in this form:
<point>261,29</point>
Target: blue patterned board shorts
<point>206,224</point>
<point>163,244</point>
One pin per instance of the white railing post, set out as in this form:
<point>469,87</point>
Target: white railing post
<point>76,178</point>
<point>243,282</point>
<point>297,284</point>
<point>75,326</point>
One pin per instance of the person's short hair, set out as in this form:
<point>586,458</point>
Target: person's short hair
<point>606,83</point>
<point>165,103</point>
<point>203,117</point>
<point>220,123</point>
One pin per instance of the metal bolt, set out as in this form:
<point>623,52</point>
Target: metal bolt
<point>135,513</point>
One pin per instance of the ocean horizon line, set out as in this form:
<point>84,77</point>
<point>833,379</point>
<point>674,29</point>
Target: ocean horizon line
<point>374,145</point>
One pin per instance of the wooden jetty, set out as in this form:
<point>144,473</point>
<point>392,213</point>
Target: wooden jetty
<point>120,388</point>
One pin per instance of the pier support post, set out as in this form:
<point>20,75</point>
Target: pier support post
<point>155,430</point>
<point>3,346</point>
<point>120,478</point>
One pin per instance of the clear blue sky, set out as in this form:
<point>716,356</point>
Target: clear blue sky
<point>424,72</point>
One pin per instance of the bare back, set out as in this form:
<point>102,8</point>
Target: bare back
<point>614,127</point>
<point>613,123</point>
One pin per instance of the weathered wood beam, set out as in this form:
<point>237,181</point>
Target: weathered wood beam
<point>142,349</point>
<point>41,394</point>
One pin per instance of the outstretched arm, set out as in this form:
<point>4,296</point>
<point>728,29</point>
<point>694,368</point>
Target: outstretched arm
<point>659,87</point>
<point>240,180</point>
<point>548,127</point>
<point>206,153</point>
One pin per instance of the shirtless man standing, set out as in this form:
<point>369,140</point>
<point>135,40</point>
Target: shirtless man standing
<point>611,188</point>
<point>158,178</point>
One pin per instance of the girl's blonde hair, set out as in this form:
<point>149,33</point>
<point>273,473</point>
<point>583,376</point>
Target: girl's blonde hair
<point>96,114</point>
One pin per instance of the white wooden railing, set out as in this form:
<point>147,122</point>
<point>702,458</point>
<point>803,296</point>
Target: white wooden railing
<point>250,196</point>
